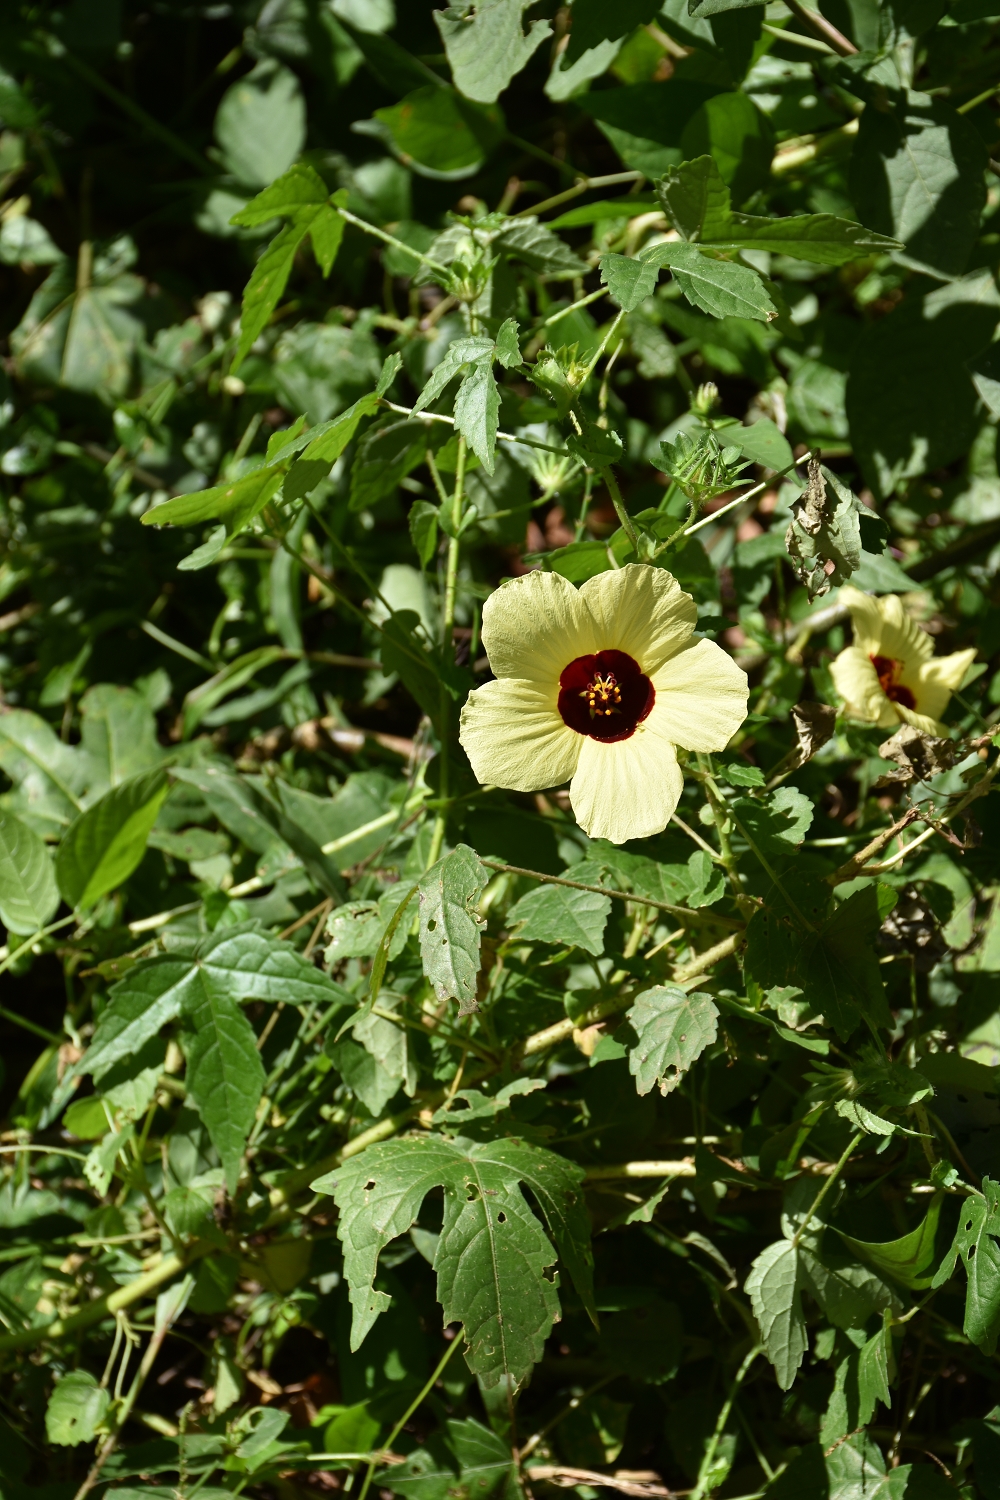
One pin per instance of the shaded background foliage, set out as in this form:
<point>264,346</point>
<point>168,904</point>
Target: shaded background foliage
<point>233,743</point>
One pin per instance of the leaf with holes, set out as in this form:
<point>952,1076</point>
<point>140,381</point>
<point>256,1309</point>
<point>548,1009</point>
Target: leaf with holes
<point>492,1255</point>
<point>450,926</point>
<point>76,1409</point>
<point>977,1249</point>
<point>672,1029</point>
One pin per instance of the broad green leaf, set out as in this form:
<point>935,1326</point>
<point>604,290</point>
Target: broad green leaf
<point>765,444</point>
<point>487,47</point>
<point>78,331</point>
<point>102,846</point>
<point>235,504</point>
<point>558,914</point>
<point>450,925</point>
<point>261,123</point>
<point>460,352</point>
<point>28,891</point>
<point>492,1255</point>
<point>876,1369</point>
<point>645,121</point>
<point>863,1119</point>
<point>534,243</point>
<point>299,187</point>
<point>916,173</point>
<point>673,1029</point>
<point>267,282</point>
<point>477,412</point>
<point>902,425</point>
<point>774,1287</point>
<point>840,970</point>
<point>49,777</point>
<point>473,1104</point>
<point>508,350</point>
<point>847,1292</point>
<point>707,880</point>
<point>697,201</point>
<point>778,825</point>
<point>718,287</point>
<point>237,962</point>
<point>224,1076</point>
<point>557,1188</point>
<point>375,1060</point>
<point>118,733</point>
<point>732,130</point>
<point>490,1232</point>
<point>976,1248</point>
<point>328,441</point>
<point>440,134</point>
<point>77,1407</point>
<point>822,239</point>
<point>629,280</point>
<point>594,22</point>
<point>461,1458</point>
<point>423,524</point>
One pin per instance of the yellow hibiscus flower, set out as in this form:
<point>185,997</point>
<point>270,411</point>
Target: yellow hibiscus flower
<point>889,674</point>
<point>597,686</point>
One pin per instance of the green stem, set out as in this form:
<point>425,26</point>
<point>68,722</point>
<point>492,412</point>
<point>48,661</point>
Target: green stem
<point>152,1350</point>
<point>583,186</point>
<point>447,648</point>
<point>721,814</point>
<point>12,957</point>
<point>390,239</point>
<point>852,1146</point>
<point>103,1307</point>
<point>603,890</point>
<point>414,1404</point>
<point>619,504</point>
<point>704,1472</point>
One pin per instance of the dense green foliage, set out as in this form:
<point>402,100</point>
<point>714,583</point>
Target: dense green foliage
<point>362,1125</point>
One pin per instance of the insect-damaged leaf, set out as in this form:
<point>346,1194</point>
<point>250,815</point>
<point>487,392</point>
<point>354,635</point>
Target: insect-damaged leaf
<point>975,1245</point>
<point>824,538</point>
<point>492,1254</point>
<point>450,927</point>
<point>673,1029</point>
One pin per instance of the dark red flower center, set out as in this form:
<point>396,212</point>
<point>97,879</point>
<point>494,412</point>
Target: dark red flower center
<point>605,695</point>
<point>888,670</point>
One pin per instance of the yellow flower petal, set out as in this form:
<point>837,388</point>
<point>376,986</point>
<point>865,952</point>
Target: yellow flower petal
<point>923,722</point>
<point>515,737</point>
<point>536,625</point>
<point>883,628</point>
<point>937,679</point>
<point>856,680</point>
<point>701,697</point>
<point>626,789</point>
<point>640,610</point>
